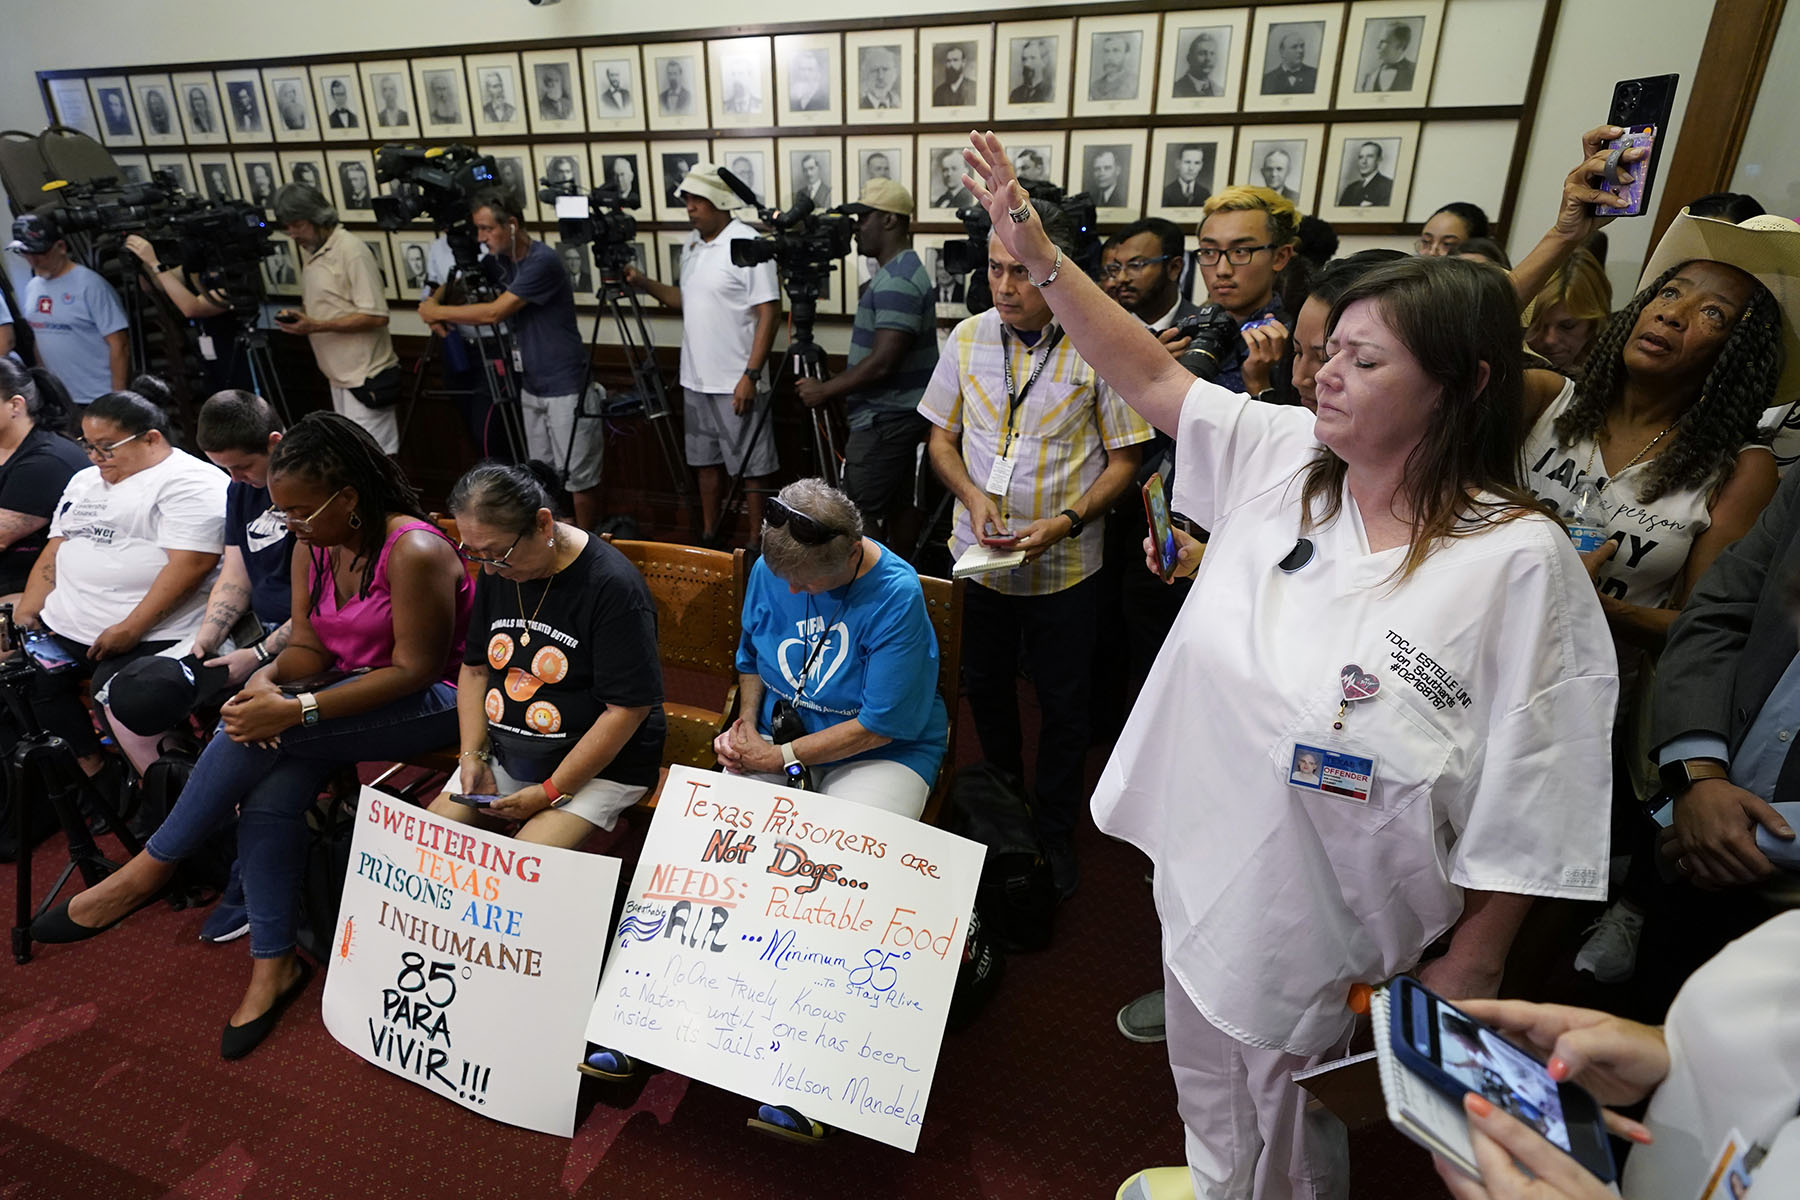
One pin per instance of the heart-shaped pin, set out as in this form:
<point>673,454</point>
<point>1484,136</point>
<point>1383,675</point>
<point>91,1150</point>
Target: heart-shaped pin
<point>1358,683</point>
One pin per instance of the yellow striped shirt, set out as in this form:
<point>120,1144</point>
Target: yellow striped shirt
<point>1059,439</point>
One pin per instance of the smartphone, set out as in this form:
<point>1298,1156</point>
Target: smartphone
<point>1455,1053</point>
<point>47,652</point>
<point>1163,547</point>
<point>1641,107</point>
<point>474,801</point>
<point>287,316</point>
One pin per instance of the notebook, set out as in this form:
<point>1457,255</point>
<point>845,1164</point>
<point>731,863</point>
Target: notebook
<point>1417,1109</point>
<point>979,560</point>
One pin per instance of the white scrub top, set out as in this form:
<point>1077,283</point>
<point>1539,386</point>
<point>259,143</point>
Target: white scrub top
<point>1492,730</point>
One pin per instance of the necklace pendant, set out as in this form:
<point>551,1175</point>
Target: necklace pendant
<point>525,638</point>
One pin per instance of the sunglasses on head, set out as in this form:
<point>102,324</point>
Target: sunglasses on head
<point>806,530</point>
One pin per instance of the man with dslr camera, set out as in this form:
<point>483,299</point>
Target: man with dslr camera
<point>893,351</point>
<point>538,301</point>
<point>76,317</point>
<point>1246,240</point>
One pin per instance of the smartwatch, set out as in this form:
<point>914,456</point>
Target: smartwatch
<point>1683,773</point>
<point>1076,524</point>
<point>309,709</point>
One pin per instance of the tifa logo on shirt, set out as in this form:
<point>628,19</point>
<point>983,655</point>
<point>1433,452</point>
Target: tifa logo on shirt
<point>792,653</point>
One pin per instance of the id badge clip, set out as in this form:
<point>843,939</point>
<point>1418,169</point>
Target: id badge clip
<point>1330,762</point>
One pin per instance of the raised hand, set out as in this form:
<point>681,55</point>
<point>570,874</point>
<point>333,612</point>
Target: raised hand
<point>997,189</point>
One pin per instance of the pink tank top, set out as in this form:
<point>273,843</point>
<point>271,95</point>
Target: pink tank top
<point>360,633</point>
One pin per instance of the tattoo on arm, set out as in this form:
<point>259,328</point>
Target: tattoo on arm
<point>15,525</point>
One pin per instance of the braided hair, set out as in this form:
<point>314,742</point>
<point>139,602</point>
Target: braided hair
<point>1738,388</point>
<point>335,452</point>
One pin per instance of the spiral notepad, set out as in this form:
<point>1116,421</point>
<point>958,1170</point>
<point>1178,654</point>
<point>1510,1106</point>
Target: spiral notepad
<point>1417,1109</point>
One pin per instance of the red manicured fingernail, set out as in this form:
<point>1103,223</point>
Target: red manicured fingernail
<point>1477,1104</point>
<point>1641,1136</point>
<point>1559,1070</point>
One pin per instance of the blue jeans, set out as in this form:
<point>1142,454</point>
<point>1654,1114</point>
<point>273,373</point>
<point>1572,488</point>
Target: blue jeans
<point>271,790</point>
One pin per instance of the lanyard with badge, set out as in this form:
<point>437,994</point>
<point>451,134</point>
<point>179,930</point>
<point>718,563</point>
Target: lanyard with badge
<point>1734,1167</point>
<point>1000,472</point>
<point>1333,763</point>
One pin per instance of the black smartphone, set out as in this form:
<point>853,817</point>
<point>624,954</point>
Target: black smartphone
<point>48,653</point>
<point>474,801</point>
<point>1455,1053</point>
<point>1640,107</point>
<point>287,316</point>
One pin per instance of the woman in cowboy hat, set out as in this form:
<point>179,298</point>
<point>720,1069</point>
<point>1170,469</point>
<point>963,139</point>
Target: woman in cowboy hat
<point>1658,451</point>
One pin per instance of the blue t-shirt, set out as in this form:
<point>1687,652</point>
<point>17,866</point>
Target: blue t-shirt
<point>267,547</point>
<point>71,316</point>
<point>879,663</point>
<point>550,346</point>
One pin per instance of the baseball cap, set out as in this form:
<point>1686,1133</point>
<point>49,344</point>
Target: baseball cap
<point>154,693</point>
<point>882,195</point>
<point>34,233</point>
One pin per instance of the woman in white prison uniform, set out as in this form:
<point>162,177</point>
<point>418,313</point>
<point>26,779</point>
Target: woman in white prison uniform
<point>1485,670</point>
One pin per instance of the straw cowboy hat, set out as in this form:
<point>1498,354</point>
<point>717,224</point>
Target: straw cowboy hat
<point>1767,247</point>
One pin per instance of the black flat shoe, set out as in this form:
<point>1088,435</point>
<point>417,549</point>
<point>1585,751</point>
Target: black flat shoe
<point>57,928</point>
<point>239,1040</point>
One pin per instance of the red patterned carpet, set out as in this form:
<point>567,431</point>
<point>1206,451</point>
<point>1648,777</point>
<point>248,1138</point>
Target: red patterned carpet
<point>111,1086</point>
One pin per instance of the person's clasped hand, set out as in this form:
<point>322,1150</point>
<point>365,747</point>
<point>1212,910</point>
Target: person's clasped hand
<point>260,714</point>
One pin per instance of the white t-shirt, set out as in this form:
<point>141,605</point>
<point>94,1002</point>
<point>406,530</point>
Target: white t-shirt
<point>116,536</point>
<point>1734,1063</point>
<point>717,299</point>
<point>1491,728</point>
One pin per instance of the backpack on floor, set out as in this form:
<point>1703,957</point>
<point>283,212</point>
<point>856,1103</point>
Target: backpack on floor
<point>1016,897</point>
<point>977,977</point>
<point>204,873</point>
<point>330,826</point>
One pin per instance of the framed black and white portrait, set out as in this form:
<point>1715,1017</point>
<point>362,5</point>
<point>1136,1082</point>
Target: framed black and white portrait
<point>669,164</point>
<point>877,156</point>
<point>955,72</point>
<point>133,168</point>
<point>393,110</point>
<point>578,263</point>
<point>198,106</point>
<point>292,117</point>
<point>1108,164</point>
<point>1033,65</point>
<point>443,100</point>
<point>1187,166</point>
<point>1293,55</point>
<point>809,79</point>
<point>1395,47</point>
<point>670,244</point>
<point>338,90</point>
<point>1115,65</point>
<point>616,98</point>
<point>216,175</point>
<point>281,269</point>
<point>939,171</point>
<point>259,177</point>
<point>1202,60</point>
<point>812,168</point>
<point>178,168</point>
<point>384,262</point>
<point>498,109</point>
<point>517,176</point>
<point>560,167</point>
<point>624,167</point>
<point>950,293</point>
<point>305,166</point>
<point>1369,171</point>
<point>752,162</point>
<point>246,110</point>
<point>111,98</point>
<point>159,122</point>
<point>352,175</point>
<point>675,85</point>
<point>73,108</point>
<point>412,261</point>
<point>1286,159</point>
<point>552,80</point>
<point>739,81</point>
<point>879,82</point>
<point>1038,156</point>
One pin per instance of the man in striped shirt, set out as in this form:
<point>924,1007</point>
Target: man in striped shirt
<point>893,351</point>
<point>1035,448</point>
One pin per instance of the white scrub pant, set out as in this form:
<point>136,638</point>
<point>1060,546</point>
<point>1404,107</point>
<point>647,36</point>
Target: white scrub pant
<point>383,424</point>
<point>1248,1132</point>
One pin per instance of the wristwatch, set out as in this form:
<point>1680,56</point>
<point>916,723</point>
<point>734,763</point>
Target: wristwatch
<point>1683,773</point>
<point>309,709</point>
<point>790,762</point>
<point>1076,524</point>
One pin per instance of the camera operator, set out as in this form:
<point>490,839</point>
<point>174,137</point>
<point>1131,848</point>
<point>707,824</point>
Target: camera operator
<point>728,317</point>
<point>344,313</point>
<point>75,315</point>
<point>1246,240</point>
<point>893,352</point>
<point>538,302</point>
<point>208,309</point>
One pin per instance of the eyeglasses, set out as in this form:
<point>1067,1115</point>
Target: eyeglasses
<point>304,524</point>
<point>808,531</point>
<point>1134,265</point>
<point>105,453</point>
<point>479,561</point>
<point>1237,256</point>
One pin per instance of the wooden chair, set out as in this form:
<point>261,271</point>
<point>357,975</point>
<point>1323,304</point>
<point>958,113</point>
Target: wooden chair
<point>943,601</point>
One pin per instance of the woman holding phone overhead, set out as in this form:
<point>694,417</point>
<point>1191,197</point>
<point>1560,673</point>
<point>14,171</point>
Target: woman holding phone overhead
<point>1461,747</point>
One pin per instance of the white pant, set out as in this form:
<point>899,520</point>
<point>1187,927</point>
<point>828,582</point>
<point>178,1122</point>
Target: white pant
<point>877,782</point>
<point>383,424</point>
<point>1248,1131</point>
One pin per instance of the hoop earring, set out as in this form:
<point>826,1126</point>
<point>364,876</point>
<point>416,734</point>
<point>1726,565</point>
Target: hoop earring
<point>356,520</point>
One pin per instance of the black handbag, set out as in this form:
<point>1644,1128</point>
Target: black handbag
<point>381,390</point>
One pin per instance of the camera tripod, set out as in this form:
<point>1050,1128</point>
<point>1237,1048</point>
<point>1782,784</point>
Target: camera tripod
<point>252,346</point>
<point>621,301</point>
<point>493,350</point>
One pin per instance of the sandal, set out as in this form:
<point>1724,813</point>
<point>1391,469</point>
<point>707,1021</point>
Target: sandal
<point>781,1121</point>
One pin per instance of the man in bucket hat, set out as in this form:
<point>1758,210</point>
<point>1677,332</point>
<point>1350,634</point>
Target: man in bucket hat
<point>728,317</point>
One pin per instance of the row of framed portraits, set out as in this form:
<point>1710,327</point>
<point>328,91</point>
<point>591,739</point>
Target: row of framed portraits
<point>1273,58</point>
<point>1345,172</point>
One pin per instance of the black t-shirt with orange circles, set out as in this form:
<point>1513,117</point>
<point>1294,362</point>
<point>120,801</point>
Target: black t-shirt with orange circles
<point>558,651</point>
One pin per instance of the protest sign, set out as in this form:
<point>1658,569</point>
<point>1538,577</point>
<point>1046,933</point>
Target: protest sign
<point>466,961</point>
<point>793,948</point>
